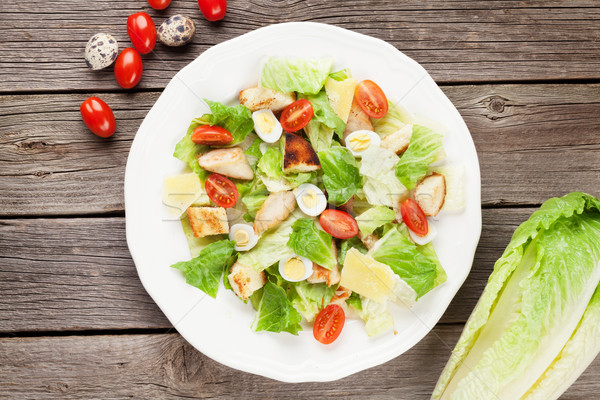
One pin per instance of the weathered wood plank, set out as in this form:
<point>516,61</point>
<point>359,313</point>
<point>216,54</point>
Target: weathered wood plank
<point>534,142</point>
<point>77,274</point>
<point>456,41</point>
<point>166,366</point>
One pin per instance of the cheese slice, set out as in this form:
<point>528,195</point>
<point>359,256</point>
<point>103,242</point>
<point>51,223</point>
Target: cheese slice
<point>340,94</point>
<point>374,280</point>
<point>182,191</point>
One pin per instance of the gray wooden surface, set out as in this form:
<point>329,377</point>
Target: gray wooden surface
<point>75,321</point>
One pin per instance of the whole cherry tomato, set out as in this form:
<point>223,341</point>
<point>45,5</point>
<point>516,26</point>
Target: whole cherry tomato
<point>338,224</point>
<point>221,191</point>
<point>98,117</point>
<point>159,4</point>
<point>142,32</point>
<point>414,217</point>
<point>329,323</point>
<point>213,10</point>
<point>296,116</point>
<point>211,135</point>
<point>128,68</point>
<point>371,99</point>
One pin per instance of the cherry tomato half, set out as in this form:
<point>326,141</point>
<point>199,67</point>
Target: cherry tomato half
<point>128,68</point>
<point>221,191</point>
<point>98,117</point>
<point>142,32</point>
<point>371,99</point>
<point>296,116</point>
<point>329,323</point>
<point>213,10</point>
<point>211,135</point>
<point>338,224</point>
<point>159,4</point>
<point>414,217</point>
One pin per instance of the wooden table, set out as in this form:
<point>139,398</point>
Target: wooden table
<point>75,322</point>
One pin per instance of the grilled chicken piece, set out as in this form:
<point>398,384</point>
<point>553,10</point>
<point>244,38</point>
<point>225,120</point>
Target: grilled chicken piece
<point>299,155</point>
<point>357,120</point>
<point>430,194</point>
<point>320,274</point>
<point>231,162</point>
<point>398,141</point>
<point>340,296</point>
<point>368,240</point>
<point>276,208</point>
<point>258,98</point>
<point>245,280</point>
<point>206,221</point>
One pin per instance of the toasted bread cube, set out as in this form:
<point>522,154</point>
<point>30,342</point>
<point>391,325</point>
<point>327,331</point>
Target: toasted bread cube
<point>259,98</point>
<point>430,194</point>
<point>231,162</point>
<point>207,221</point>
<point>245,280</point>
<point>299,155</point>
<point>398,141</point>
<point>276,208</point>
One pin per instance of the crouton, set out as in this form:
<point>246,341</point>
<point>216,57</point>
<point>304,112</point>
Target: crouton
<point>259,98</point>
<point>357,120</point>
<point>231,162</point>
<point>320,274</point>
<point>276,208</point>
<point>299,156</point>
<point>398,141</point>
<point>206,221</point>
<point>430,194</point>
<point>245,280</point>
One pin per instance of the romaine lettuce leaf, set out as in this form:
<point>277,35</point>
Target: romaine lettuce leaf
<point>197,244</point>
<point>423,149</point>
<point>308,298</point>
<point>253,153</point>
<point>295,74</point>
<point>237,119</point>
<point>376,316</point>
<point>319,135</point>
<point>375,217</point>
<point>253,201</point>
<point>340,174</point>
<point>354,301</point>
<point>396,117</point>
<point>381,187</point>
<point>205,270</point>
<point>324,113</point>
<point>271,163</point>
<point>275,312</point>
<point>309,241</point>
<point>349,244</point>
<point>340,75</point>
<point>186,151</point>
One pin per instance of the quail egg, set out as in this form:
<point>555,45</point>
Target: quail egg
<point>101,51</point>
<point>266,125</point>
<point>176,31</point>
<point>359,141</point>
<point>310,199</point>
<point>423,240</point>
<point>244,237</point>
<point>295,268</point>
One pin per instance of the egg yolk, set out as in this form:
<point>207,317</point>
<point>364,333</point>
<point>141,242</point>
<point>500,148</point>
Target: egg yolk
<point>360,142</point>
<point>265,123</point>
<point>241,237</point>
<point>310,199</point>
<point>294,268</point>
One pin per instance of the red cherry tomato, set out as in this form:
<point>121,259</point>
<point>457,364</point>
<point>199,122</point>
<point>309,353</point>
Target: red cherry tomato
<point>159,4</point>
<point>128,68</point>
<point>142,32</point>
<point>211,135</point>
<point>371,99</point>
<point>414,217</point>
<point>329,323</point>
<point>338,224</point>
<point>296,116</point>
<point>213,10</point>
<point>221,191</point>
<point>98,117</point>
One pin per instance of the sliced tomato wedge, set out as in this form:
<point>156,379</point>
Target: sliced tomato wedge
<point>211,135</point>
<point>371,99</point>
<point>338,224</point>
<point>296,116</point>
<point>221,191</point>
<point>329,323</point>
<point>414,217</point>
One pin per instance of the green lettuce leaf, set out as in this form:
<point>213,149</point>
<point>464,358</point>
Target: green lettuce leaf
<point>186,151</point>
<point>309,298</point>
<point>319,135</point>
<point>197,244</point>
<point>396,117</point>
<point>324,114</point>
<point>237,120</point>
<point>376,316</point>
<point>309,241</point>
<point>381,187</point>
<point>295,74</point>
<point>423,149</point>
<point>534,300</point>
<point>375,217</point>
<point>271,163</point>
<point>205,270</point>
<point>340,174</point>
<point>340,75</point>
<point>254,200</point>
<point>253,153</point>
<point>349,244</point>
<point>355,301</point>
<point>275,312</point>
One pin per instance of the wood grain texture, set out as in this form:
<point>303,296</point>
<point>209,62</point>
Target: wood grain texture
<point>166,367</point>
<point>533,142</point>
<point>456,41</point>
<point>76,274</point>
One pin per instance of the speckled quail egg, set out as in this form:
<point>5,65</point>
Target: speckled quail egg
<point>244,237</point>
<point>101,51</point>
<point>310,199</point>
<point>295,268</point>
<point>176,31</point>
<point>266,125</point>
<point>359,141</point>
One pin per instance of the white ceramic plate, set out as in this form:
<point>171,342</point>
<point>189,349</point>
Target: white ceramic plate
<point>221,328</point>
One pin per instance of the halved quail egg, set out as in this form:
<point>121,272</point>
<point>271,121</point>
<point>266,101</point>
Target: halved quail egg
<point>295,268</point>
<point>266,125</point>
<point>244,237</point>
<point>310,199</point>
<point>360,141</point>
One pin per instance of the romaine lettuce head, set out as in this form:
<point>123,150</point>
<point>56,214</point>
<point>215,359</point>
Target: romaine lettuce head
<point>531,307</point>
<point>295,74</point>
